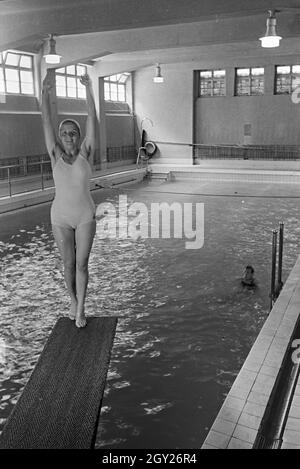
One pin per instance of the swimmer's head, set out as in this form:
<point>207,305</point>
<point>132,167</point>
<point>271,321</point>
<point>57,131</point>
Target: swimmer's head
<point>69,134</point>
<point>249,268</point>
<point>69,121</point>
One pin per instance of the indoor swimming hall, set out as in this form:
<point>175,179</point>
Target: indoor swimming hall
<point>149,225</point>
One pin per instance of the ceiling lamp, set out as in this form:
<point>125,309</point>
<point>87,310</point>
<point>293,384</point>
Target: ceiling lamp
<point>158,77</point>
<point>270,39</point>
<point>52,57</point>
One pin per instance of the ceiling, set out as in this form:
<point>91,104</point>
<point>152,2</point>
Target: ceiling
<point>128,34</point>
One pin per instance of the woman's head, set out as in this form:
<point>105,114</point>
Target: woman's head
<point>69,134</point>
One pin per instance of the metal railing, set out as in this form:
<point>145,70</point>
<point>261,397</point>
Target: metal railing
<point>219,151</point>
<point>248,152</point>
<point>276,287</point>
<point>24,175</point>
<point>14,182</point>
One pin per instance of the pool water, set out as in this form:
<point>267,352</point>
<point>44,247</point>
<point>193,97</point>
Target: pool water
<point>185,322</point>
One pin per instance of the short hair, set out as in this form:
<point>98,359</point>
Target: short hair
<point>72,121</point>
<point>250,268</point>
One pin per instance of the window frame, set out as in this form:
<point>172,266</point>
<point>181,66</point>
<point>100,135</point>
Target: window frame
<point>250,78</point>
<point>212,79</point>
<point>67,75</point>
<point>19,69</point>
<point>119,84</point>
<point>290,75</point>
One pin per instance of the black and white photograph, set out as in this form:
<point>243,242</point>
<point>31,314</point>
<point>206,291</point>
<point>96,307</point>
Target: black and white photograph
<point>149,228</point>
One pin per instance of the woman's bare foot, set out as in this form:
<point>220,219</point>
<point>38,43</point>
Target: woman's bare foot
<point>73,309</point>
<point>80,318</point>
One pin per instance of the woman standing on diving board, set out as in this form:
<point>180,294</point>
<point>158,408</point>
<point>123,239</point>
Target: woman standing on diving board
<point>73,210</point>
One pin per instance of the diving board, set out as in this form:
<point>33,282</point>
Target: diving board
<point>60,405</point>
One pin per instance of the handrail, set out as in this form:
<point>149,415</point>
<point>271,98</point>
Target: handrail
<point>271,431</point>
<point>9,179</point>
<point>28,164</point>
<point>276,287</point>
<point>273,270</point>
<point>280,253</point>
<point>230,145</point>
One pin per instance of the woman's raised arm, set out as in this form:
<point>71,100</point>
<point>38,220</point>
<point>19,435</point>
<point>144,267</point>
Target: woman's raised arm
<point>89,143</point>
<point>49,132</point>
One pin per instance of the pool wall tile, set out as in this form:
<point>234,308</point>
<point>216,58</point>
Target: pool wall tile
<point>291,437</point>
<point>227,413</point>
<point>206,446</point>
<point>241,393</point>
<point>269,370</point>
<point>234,403</point>
<point>251,421</point>
<point>295,411</point>
<point>217,439</point>
<point>258,397</point>
<point>289,446</point>
<point>254,409</point>
<point>245,433</point>
<point>224,426</point>
<point>296,401</point>
<point>235,443</point>
<point>293,424</point>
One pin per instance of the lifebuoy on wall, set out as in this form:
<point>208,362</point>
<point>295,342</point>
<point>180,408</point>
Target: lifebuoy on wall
<point>150,148</point>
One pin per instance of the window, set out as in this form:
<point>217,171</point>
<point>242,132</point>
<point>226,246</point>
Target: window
<point>68,82</point>
<point>115,87</point>
<point>249,81</point>
<point>287,79</point>
<point>212,83</point>
<point>16,73</point>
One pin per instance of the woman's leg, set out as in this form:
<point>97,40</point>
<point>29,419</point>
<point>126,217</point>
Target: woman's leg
<point>84,236</point>
<point>65,240</point>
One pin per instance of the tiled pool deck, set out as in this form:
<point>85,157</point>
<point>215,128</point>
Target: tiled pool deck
<point>237,423</point>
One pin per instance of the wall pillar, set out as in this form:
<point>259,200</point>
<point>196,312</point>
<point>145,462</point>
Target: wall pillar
<point>269,80</point>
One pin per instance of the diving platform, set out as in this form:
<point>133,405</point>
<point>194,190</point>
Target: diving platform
<point>60,405</point>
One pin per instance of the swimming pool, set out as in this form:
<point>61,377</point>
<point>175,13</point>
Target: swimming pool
<point>186,325</point>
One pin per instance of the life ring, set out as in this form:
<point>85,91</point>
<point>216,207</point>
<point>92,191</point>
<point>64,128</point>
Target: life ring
<point>150,148</point>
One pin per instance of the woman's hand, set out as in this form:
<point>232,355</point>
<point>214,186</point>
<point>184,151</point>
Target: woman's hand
<point>85,80</point>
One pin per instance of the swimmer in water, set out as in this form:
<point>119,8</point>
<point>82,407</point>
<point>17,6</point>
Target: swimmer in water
<point>248,277</point>
<point>73,210</point>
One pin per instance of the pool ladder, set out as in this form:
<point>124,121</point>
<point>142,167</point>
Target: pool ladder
<point>276,287</point>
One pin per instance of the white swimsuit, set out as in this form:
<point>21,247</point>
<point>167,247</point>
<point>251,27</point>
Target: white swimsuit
<point>73,205</point>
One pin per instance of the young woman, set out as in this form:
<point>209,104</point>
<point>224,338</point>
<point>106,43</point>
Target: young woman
<point>73,209</point>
